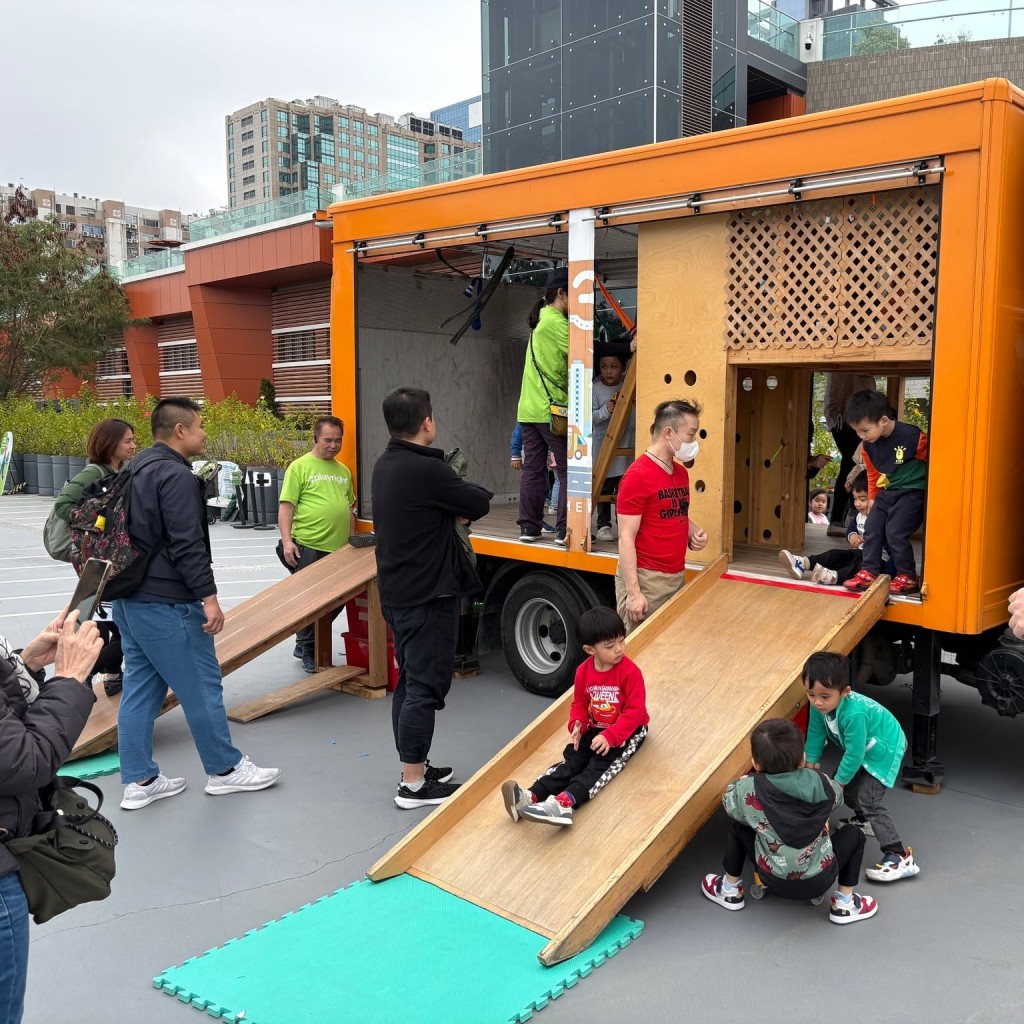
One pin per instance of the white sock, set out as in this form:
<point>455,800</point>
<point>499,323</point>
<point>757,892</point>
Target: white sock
<point>414,786</point>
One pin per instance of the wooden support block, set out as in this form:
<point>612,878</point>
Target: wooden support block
<point>361,689</point>
<point>377,634</point>
<point>925,790</point>
<point>469,673</point>
<point>326,679</point>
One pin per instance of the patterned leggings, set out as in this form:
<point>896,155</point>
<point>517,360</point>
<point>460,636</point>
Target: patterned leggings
<point>584,773</point>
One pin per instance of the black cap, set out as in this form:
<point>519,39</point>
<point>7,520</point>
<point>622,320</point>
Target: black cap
<point>558,278</point>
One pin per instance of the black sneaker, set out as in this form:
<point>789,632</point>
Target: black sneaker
<point>296,651</point>
<point>308,664</point>
<point>529,537</point>
<point>559,538</point>
<point>429,793</point>
<point>434,774</point>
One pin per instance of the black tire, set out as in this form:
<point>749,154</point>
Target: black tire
<point>538,633</point>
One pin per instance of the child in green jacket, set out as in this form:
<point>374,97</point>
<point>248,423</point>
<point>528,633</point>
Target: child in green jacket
<point>873,745</point>
<point>779,823</point>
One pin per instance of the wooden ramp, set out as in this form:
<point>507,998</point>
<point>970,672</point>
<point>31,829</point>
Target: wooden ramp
<point>265,620</point>
<point>721,656</point>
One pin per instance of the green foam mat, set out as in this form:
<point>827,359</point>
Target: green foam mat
<point>92,767</point>
<point>346,958</point>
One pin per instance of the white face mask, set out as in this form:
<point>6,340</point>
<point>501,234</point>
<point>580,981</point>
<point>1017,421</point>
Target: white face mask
<point>687,450</point>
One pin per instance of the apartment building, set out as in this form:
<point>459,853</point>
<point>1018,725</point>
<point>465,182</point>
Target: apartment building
<point>275,147</point>
<point>111,227</point>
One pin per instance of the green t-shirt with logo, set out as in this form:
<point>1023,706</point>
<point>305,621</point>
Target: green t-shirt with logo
<point>321,491</point>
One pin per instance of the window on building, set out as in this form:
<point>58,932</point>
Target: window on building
<point>266,191</point>
<point>429,148</point>
<point>251,194</point>
<point>231,201</point>
<point>263,114</point>
<point>284,179</point>
<point>231,186</point>
<point>231,172</point>
<point>266,175</point>
<point>285,161</point>
<point>246,136</point>
<point>343,136</point>
<point>231,159</point>
<point>445,148</point>
<point>372,129</point>
<point>284,147</point>
<point>343,121</point>
<point>344,167</point>
<point>248,165</point>
<point>402,152</point>
<point>295,177</point>
<point>300,122</point>
<point>249,179</point>
<point>248,150</point>
<point>179,357</point>
<point>343,152</point>
<point>265,146</point>
<point>282,116</point>
<point>264,131</point>
<point>282,131</point>
<point>231,128</point>
<point>247,120</point>
<point>373,160</point>
<point>358,155</point>
<point>360,172</point>
<point>329,179</point>
<point>231,144</point>
<point>266,161</point>
<point>92,230</point>
<point>146,223</point>
<point>325,124</point>
<point>69,209</point>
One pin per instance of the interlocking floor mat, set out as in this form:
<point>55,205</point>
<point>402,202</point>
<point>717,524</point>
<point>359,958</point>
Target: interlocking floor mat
<point>396,952</point>
<point>92,767</point>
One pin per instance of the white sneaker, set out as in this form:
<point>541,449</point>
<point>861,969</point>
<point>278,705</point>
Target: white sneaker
<point>136,796</point>
<point>892,867</point>
<point>795,565</point>
<point>827,577</point>
<point>605,533</point>
<point>549,811</point>
<point>246,778</point>
<point>515,799</point>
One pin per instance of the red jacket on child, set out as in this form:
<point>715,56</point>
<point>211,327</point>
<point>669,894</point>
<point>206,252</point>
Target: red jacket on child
<point>614,701</point>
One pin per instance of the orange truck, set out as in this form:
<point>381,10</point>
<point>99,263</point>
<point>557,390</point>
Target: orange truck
<point>879,239</point>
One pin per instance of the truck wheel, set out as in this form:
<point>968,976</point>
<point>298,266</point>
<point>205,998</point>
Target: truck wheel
<point>538,633</point>
<point>999,677</point>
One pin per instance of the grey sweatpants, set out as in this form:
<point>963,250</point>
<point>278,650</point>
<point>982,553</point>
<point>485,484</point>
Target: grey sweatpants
<point>864,794</point>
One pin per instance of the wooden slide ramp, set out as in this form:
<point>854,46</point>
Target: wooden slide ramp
<point>724,654</point>
<point>265,620</point>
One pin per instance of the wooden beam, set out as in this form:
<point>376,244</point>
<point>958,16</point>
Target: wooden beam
<point>377,633</point>
<point>854,359</point>
<point>326,679</point>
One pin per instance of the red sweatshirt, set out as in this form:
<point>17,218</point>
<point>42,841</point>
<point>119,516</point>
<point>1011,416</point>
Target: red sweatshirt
<point>614,701</point>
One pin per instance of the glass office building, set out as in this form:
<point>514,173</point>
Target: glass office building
<point>466,114</point>
<point>567,78</point>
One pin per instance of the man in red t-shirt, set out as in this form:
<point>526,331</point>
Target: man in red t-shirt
<point>653,512</point>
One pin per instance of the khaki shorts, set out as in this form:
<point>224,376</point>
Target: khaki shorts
<point>656,586</point>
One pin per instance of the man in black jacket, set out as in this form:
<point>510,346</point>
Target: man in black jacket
<point>168,625</point>
<point>423,572</point>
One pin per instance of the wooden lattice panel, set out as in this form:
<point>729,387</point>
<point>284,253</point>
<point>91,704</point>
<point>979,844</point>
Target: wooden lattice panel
<point>851,272</point>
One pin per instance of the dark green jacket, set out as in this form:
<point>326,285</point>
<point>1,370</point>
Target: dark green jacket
<point>71,495</point>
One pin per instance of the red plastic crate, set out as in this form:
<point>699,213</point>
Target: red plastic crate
<point>357,652</point>
<point>357,612</point>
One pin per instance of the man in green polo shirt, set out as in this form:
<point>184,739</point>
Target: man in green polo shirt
<point>317,512</point>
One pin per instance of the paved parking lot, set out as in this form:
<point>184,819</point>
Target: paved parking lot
<point>194,872</point>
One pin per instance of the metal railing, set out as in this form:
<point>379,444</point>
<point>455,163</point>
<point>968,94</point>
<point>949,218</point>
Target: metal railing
<point>433,172</point>
<point>308,201</point>
<point>166,259</point>
<point>934,22</point>
<point>773,27</point>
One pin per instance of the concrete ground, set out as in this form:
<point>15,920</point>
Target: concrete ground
<point>194,871</point>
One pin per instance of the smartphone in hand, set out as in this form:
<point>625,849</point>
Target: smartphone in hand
<point>89,591</point>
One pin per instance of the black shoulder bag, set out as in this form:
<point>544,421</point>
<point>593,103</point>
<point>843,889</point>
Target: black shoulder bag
<point>69,858</point>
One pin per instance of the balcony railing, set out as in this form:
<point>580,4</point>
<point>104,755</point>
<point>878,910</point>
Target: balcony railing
<point>772,27</point>
<point>166,259</point>
<point>433,172</point>
<point>308,201</point>
<point>923,24</point>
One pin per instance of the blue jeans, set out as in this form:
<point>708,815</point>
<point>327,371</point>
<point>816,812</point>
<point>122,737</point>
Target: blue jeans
<point>165,648</point>
<point>13,948</point>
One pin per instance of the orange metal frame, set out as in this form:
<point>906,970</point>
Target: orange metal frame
<point>974,544</point>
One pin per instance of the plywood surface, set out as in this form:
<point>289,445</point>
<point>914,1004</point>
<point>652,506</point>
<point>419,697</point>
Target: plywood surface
<point>739,658</point>
<point>257,625</point>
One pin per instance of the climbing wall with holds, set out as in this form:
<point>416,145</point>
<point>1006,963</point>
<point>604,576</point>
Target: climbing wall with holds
<point>771,446</point>
<point>679,331</point>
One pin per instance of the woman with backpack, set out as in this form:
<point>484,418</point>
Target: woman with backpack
<point>110,445</point>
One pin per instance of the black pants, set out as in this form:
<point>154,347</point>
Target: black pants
<point>894,516</point>
<point>846,440</point>
<point>307,556</point>
<point>846,562</point>
<point>604,508</point>
<point>847,845</point>
<point>111,659</point>
<point>425,640</point>
<point>584,773</point>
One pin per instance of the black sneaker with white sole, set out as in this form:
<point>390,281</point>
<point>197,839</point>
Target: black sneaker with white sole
<point>435,774</point>
<point>429,793</point>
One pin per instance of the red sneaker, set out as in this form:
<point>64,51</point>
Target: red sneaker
<point>861,581</point>
<point>904,583</point>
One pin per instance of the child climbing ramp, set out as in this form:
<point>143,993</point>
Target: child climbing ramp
<point>607,725</point>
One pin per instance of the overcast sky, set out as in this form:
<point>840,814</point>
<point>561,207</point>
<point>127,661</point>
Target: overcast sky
<point>125,99</point>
